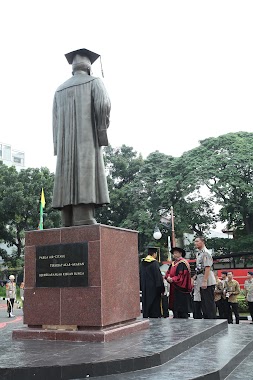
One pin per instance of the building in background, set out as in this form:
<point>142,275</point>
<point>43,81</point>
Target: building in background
<point>12,157</point>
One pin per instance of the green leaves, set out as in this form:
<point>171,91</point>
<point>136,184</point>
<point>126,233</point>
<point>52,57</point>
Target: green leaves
<point>225,167</point>
<point>19,205</point>
<point>217,173</point>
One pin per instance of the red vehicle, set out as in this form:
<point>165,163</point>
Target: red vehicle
<point>238,263</point>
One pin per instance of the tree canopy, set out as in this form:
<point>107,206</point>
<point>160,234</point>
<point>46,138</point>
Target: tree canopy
<point>225,166</point>
<point>218,172</point>
<point>19,205</point>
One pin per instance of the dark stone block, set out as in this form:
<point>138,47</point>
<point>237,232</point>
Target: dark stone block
<point>208,376</point>
<point>77,371</point>
<point>127,365</point>
<point>139,363</point>
<point>153,360</point>
<point>113,366</point>
<point>38,373</point>
<point>99,369</point>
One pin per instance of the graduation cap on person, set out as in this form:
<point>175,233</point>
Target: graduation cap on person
<point>251,273</point>
<point>178,249</point>
<point>84,53</point>
<point>152,250</point>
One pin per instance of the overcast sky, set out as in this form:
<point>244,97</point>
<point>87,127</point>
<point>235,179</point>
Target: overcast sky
<point>176,71</point>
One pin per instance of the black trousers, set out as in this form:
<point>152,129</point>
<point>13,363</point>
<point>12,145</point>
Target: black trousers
<point>251,309</point>
<point>165,306</point>
<point>219,306</point>
<point>10,307</point>
<point>197,311</point>
<point>207,302</point>
<point>233,307</point>
<point>223,308</point>
<point>180,314</point>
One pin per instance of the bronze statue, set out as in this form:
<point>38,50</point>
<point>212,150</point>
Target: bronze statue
<point>81,114</point>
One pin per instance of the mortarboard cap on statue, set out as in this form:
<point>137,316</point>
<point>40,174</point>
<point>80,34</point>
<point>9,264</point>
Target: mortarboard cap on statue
<point>83,52</point>
<point>251,273</point>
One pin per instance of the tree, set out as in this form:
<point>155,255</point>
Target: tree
<point>142,190</point>
<point>225,166</point>
<point>19,205</point>
<point>165,178</point>
<point>128,203</point>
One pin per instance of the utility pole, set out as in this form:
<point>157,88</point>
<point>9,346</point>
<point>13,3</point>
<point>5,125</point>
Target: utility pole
<point>173,239</point>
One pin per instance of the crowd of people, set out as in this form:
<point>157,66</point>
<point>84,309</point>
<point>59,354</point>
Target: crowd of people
<point>204,294</point>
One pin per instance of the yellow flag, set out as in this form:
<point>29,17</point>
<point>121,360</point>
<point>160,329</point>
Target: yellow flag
<point>42,205</point>
<point>42,199</point>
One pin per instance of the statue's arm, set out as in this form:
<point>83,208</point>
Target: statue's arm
<point>102,108</point>
<point>55,125</point>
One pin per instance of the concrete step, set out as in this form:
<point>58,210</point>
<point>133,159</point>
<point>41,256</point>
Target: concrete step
<point>243,371</point>
<point>166,339</point>
<point>213,359</point>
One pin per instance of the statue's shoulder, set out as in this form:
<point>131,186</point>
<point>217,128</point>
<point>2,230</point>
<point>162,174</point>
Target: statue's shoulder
<point>76,80</point>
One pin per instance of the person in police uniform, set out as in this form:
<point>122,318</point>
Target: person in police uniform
<point>204,280</point>
<point>10,295</point>
<point>248,286</point>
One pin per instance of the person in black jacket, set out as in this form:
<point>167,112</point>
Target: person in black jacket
<point>152,285</point>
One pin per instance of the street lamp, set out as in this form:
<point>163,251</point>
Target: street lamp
<point>157,233</point>
<point>167,222</point>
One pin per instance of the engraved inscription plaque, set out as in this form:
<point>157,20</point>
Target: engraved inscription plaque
<point>62,265</point>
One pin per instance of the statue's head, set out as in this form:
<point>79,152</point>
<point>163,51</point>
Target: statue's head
<point>82,63</point>
<point>81,59</point>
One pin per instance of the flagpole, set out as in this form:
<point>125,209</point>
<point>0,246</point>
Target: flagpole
<point>173,239</point>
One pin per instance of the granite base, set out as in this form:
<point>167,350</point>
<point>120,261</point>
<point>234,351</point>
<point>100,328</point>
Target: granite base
<point>103,305</point>
<point>84,335</point>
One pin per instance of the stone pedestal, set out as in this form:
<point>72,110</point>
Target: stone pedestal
<point>106,309</point>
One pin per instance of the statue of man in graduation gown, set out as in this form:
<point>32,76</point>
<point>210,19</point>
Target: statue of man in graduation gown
<point>81,113</point>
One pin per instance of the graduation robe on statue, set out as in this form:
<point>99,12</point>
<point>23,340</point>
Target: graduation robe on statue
<point>80,118</point>
<point>152,287</point>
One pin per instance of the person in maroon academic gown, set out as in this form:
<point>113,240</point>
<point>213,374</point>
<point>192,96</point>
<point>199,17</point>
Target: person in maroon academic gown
<point>179,277</point>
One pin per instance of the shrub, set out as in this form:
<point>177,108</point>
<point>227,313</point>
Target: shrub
<point>2,291</point>
<point>242,305</point>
